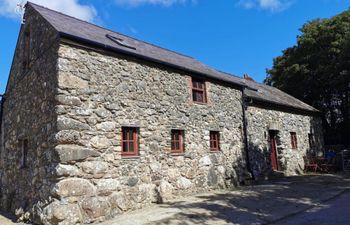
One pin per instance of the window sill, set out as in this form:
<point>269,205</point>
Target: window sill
<point>130,157</point>
<point>200,103</point>
<point>177,154</point>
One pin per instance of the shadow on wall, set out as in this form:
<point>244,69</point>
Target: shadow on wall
<point>260,152</point>
<point>260,160</point>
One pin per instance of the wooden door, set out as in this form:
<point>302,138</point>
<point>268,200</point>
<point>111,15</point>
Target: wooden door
<point>274,162</point>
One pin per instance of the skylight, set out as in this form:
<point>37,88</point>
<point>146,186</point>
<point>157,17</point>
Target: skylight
<point>120,41</point>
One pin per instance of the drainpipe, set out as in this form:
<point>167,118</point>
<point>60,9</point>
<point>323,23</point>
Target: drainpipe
<point>245,134</point>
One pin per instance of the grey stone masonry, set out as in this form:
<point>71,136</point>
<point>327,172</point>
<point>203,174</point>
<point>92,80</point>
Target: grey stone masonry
<point>29,117</point>
<point>262,121</point>
<point>67,102</point>
<point>98,94</point>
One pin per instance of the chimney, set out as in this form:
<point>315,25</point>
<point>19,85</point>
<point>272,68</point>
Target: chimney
<point>247,77</point>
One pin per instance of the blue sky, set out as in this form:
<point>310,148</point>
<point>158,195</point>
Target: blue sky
<point>235,36</point>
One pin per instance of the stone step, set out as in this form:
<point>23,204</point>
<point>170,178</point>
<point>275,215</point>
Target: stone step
<point>270,175</point>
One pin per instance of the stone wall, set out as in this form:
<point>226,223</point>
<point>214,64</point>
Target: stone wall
<point>71,105</point>
<point>290,160</point>
<point>29,114</point>
<point>98,94</point>
<point>42,38</point>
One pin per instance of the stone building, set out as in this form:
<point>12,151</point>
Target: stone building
<point>95,123</point>
<point>280,131</point>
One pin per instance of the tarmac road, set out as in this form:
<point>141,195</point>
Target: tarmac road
<point>333,212</point>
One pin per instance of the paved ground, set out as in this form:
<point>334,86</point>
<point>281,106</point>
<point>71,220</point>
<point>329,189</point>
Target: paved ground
<point>271,202</point>
<point>334,212</point>
<point>312,199</point>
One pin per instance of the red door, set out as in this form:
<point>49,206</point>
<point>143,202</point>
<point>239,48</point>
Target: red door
<point>274,162</point>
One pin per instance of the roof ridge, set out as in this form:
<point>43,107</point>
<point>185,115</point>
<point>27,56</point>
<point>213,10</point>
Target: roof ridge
<point>289,95</point>
<point>227,73</point>
<point>108,29</point>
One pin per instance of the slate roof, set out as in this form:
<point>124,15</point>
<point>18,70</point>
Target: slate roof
<point>81,31</point>
<point>275,96</point>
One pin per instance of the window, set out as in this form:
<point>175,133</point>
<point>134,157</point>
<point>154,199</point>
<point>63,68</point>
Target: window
<point>129,141</point>
<point>177,141</point>
<point>294,141</point>
<point>198,91</point>
<point>26,49</point>
<point>24,153</point>
<point>214,141</point>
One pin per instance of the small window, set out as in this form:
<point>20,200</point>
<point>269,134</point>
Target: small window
<point>26,49</point>
<point>294,141</point>
<point>214,141</point>
<point>129,141</point>
<point>198,91</point>
<point>177,141</point>
<point>24,153</point>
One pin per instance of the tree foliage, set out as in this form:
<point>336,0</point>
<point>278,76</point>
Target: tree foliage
<point>317,71</point>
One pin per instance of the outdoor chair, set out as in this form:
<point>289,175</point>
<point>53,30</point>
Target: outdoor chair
<point>311,164</point>
<point>328,165</point>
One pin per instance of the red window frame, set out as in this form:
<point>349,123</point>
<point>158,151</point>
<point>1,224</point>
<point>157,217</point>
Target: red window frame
<point>129,141</point>
<point>198,91</point>
<point>177,141</point>
<point>294,140</point>
<point>214,141</point>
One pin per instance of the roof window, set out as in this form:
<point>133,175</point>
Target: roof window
<point>120,41</point>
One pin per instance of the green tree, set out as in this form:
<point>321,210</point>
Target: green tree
<point>317,71</point>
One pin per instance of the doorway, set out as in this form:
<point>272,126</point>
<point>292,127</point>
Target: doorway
<point>273,146</point>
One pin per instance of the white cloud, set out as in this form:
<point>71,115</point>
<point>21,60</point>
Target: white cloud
<point>269,5</point>
<point>70,7</point>
<point>132,29</point>
<point>135,3</point>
